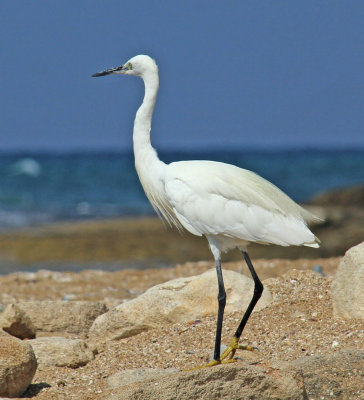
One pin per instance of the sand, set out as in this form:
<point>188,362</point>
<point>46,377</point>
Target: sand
<point>299,323</point>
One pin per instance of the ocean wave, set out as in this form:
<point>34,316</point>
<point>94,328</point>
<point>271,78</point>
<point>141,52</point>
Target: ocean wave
<point>41,188</point>
<point>26,166</point>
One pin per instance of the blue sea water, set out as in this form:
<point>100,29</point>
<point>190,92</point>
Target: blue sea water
<point>43,188</point>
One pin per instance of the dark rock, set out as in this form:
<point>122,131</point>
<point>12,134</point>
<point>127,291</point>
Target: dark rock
<point>346,196</point>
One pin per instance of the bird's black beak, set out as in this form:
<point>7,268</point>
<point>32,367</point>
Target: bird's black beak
<point>108,71</point>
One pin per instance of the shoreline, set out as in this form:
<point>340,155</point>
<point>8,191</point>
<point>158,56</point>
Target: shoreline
<point>145,242</point>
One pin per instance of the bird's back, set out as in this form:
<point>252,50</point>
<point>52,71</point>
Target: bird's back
<point>213,198</point>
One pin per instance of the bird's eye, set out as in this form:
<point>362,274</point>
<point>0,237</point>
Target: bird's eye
<point>128,66</point>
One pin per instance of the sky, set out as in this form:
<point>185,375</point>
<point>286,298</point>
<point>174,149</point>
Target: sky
<point>233,74</point>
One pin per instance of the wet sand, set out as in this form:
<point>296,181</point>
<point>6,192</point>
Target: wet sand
<point>141,243</point>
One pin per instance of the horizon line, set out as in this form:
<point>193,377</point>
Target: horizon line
<point>226,149</point>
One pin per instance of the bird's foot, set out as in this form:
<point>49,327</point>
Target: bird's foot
<point>229,352</point>
<point>227,355</point>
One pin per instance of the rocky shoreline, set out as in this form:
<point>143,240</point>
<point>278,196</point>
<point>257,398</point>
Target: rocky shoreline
<point>116,335</point>
<point>146,243</point>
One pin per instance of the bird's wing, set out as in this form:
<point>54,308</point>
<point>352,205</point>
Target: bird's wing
<point>214,198</point>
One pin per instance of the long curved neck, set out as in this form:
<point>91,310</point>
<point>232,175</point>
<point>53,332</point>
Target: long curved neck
<point>143,150</point>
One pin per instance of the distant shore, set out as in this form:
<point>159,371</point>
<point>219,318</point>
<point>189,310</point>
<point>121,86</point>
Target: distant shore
<point>141,243</point>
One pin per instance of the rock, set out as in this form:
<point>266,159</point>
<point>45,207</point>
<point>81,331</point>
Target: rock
<point>178,300</point>
<point>61,352</point>
<point>123,378</point>
<point>332,376</point>
<point>63,316</point>
<point>348,285</point>
<point>338,376</point>
<point>344,196</point>
<point>17,323</point>
<point>17,366</point>
<point>234,382</point>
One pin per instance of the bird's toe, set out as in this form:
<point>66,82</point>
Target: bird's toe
<point>234,345</point>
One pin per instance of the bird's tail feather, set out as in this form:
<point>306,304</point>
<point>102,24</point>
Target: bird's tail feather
<point>315,244</point>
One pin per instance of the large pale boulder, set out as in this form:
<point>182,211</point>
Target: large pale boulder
<point>178,300</point>
<point>128,376</point>
<point>234,382</point>
<point>61,352</point>
<point>17,366</point>
<point>63,316</point>
<point>17,323</point>
<point>338,375</point>
<point>348,285</point>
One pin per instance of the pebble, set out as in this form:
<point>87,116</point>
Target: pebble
<point>317,268</point>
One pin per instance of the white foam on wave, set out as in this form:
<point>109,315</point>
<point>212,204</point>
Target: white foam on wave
<point>26,166</point>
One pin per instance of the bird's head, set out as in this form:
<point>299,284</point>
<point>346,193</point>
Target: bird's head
<point>138,66</point>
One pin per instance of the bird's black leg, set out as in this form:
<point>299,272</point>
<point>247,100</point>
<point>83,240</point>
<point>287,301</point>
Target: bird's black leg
<point>258,290</point>
<point>228,354</point>
<point>222,301</point>
<point>221,297</point>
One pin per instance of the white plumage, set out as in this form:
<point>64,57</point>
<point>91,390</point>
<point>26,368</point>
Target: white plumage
<point>229,205</point>
<point>233,205</point>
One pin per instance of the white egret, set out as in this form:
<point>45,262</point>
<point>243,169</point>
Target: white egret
<point>230,206</point>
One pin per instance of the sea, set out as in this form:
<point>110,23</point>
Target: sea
<point>42,188</point>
